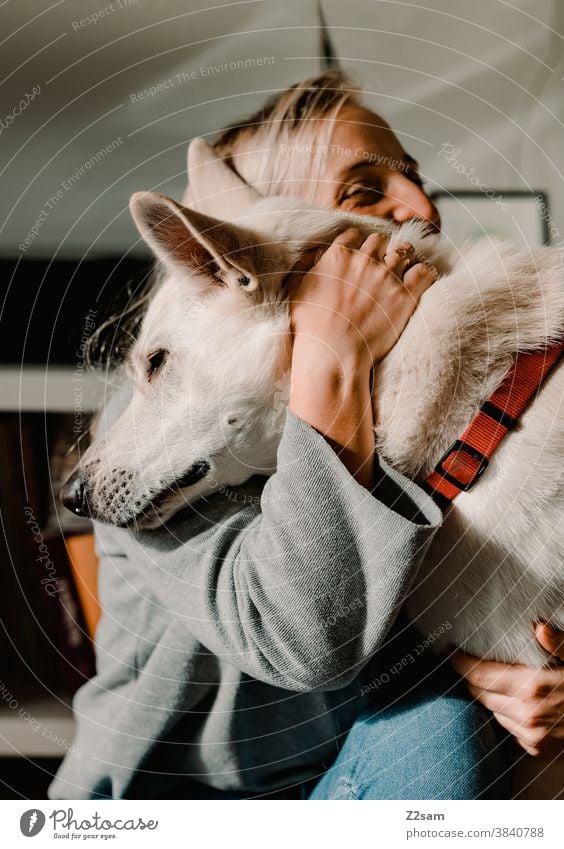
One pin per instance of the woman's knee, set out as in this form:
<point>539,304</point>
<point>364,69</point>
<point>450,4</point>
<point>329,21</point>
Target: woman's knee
<point>439,747</point>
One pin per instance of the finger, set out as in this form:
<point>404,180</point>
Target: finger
<point>375,246</point>
<point>508,706</point>
<point>506,678</point>
<point>420,277</point>
<point>536,741</point>
<point>550,639</point>
<point>517,731</point>
<point>399,258</point>
<point>497,703</point>
<point>350,238</point>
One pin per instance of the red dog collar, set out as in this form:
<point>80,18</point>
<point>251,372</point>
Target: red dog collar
<point>467,458</point>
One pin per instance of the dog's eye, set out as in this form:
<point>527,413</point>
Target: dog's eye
<point>155,361</point>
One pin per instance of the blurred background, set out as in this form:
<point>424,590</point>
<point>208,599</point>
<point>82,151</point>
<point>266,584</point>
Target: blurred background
<point>98,100</point>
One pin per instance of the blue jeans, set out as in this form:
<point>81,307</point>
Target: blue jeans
<point>421,738</point>
<point>439,746</point>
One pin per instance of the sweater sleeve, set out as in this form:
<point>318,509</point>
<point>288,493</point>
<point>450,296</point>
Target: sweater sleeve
<point>295,581</point>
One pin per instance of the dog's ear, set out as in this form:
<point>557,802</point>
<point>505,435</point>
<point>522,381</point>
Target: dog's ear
<point>186,240</point>
<point>213,186</point>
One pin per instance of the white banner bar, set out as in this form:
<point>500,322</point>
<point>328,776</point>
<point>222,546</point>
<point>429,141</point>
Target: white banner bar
<point>277,824</point>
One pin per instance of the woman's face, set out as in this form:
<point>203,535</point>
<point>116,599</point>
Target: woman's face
<point>369,173</point>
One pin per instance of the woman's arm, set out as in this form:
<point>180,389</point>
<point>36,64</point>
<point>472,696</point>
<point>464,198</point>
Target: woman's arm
<point>295,583</point>
<point>334,396</point>
<point>347,313</point>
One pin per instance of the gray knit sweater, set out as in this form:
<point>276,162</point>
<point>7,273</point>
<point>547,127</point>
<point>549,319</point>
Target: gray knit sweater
<point>231,639</point>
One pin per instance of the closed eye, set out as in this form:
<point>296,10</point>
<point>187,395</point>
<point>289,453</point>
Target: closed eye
<point>363,194</point>
<point>155,361</point>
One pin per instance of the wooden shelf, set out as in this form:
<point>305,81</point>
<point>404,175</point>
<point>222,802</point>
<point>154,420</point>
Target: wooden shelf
<point>53,389</point>
<point>47,732</point>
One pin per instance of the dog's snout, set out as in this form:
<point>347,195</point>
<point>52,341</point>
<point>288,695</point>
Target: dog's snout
<point>74,494</point>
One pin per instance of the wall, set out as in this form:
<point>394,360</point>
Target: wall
<point>484,77</point>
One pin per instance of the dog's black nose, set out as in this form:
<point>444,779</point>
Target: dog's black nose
<point>73,494</point>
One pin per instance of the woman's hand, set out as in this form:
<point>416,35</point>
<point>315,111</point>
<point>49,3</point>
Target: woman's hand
<point>347,312</point>
<point>358,298</point>
<point>529,703</point>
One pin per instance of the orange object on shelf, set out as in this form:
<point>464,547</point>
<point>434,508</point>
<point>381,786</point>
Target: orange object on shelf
<point>84,565</point>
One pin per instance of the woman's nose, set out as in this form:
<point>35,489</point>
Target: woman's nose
<point>410,201</point>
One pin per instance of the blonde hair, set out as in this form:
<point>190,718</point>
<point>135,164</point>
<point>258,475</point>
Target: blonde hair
<point>282,148</point>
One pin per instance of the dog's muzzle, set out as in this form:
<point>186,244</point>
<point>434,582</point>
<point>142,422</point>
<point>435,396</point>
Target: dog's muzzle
<point>76,493</point>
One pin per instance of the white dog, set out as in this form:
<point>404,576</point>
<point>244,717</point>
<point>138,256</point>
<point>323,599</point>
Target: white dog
<point>211,377</point>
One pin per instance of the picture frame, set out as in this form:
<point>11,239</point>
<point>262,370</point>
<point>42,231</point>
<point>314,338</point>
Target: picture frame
<point>519,215</point>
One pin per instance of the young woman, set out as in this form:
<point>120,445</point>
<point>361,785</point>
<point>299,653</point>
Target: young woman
<point>262,653</point>
<point>349,159</point>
